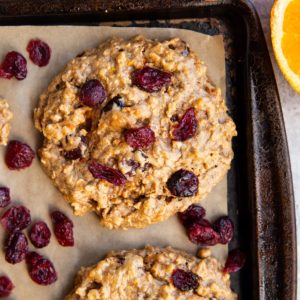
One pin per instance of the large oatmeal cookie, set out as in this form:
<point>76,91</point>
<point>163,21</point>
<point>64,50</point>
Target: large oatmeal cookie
<point>5,117</point>
<point>121,119</point>
<point>153,273</point>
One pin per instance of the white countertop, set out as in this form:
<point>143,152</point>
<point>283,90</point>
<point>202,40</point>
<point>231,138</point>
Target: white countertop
<point>290,103</point>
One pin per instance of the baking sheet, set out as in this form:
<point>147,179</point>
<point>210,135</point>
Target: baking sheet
<point>34,189</point>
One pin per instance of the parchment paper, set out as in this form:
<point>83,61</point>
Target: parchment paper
<point>35,190</point>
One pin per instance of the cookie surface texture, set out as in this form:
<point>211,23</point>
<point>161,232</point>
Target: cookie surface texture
<point>149,274</point>
<point>121,119</point>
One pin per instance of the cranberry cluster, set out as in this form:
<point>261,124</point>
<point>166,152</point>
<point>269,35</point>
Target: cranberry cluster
<point>20,156</point>
<point>15,64</point>
<point>16,219</point>
<point>201,232</point>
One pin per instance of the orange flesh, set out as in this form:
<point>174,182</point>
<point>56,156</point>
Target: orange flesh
<point>290,42</point>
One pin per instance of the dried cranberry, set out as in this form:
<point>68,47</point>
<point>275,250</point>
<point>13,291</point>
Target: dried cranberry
<point>92,93</point>
<point>41,269</point>
<point>186,127</point>
<point>4,197</point>
<point>150,79</point>
<point>224,226</point>
<point>109,174</point>
<point>203,233</point>
<point>16,218</point>
<point>16,248</point>
<point>73,154</point>
<point>139,138</point>
<point>185,280</point>
<point>63,229</point>
<point>39,52</point>
<point>14,64</point>
<point>235,261</point>
<point>118,100</point>
<point>192,214</point>
<point>18,155</point>
<point>183,183</point>
<point>6,286</point>
<point>40,234</point>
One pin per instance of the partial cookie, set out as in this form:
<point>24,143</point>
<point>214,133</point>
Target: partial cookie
<point>5,117</point>
<point>134,131</point>
<point>153,273</point>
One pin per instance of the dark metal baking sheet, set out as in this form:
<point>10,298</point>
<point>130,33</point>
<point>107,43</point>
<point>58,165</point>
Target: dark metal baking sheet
<point>261,198</point>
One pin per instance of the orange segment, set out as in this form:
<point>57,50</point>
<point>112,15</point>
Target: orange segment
<point>291,22</point>
<point>291,49</point>
<point>285,31</point>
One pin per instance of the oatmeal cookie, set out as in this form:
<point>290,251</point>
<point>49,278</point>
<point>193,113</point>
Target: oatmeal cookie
<point>5,117</point>
<point>134,131</point>
<point>153,273</point>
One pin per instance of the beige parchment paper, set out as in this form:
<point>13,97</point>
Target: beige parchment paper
<point>35,190</point>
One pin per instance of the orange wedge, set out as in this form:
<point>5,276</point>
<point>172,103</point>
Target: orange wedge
<point>285,33</point>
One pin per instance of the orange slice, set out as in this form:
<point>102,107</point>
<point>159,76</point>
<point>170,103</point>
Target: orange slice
<point>285,33</point>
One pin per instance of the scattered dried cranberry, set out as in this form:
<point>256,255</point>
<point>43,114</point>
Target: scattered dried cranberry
<point>139,138</point>
<point>14,64</point>
<point>150,79</point>
<point>63,229</point>
<point>109,174</point>
<point>192,214</point>
<point>39,52</point>
<point>92,93</point>
<point>41,269</point>
<point>183,183</point>
<point>235,261</point>
<point>185,280</point>
<point>40,234</point>
<point>73,154</point>
<point>4,197</point>
<point>203,233</point>
<point>18,155</point>
<point>16,218</point>
<point>186,127</point>
<point>224,226</point>
<point>6,286</point>
<point>118,100</point>
<point>16,248</point>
